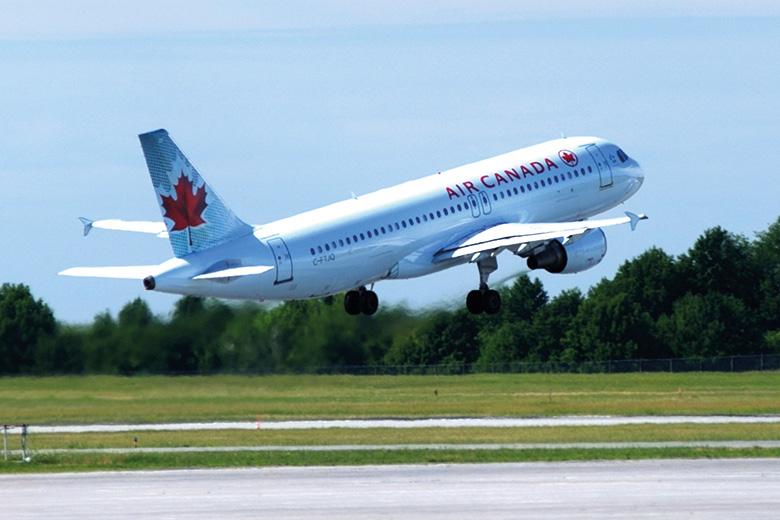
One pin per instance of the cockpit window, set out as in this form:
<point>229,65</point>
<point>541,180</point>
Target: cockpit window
<point>622,155</point>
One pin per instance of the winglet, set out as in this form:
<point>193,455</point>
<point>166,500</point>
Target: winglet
<point>87,225</point>
<point>635,219</point>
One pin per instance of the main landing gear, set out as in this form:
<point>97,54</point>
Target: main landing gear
<point>361,301</point>
<point>484,300</point>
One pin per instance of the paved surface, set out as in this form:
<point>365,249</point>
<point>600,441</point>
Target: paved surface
<point>711,489</point>
<point>481,422</point>
<point>418,447</point>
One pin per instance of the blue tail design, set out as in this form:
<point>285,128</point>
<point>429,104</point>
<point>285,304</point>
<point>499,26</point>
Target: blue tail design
<point>195,216</point>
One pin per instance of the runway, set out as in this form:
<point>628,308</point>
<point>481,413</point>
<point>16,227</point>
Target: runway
<point>464,422</point>
<point>711,489</point>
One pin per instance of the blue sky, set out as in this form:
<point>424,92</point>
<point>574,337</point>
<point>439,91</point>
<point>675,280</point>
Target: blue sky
<point>286,109</point>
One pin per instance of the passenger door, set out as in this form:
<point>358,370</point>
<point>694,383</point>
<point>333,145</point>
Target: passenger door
<point>284,268</point>
<point>605,171</point>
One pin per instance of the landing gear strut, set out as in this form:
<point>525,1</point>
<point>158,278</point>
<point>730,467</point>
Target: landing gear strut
<point>484,300</point>
<point>361,301</point>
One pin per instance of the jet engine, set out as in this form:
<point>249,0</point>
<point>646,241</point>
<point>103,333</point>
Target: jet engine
<point>579,254</point>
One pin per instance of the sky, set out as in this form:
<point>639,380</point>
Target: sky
<point>284,107</point>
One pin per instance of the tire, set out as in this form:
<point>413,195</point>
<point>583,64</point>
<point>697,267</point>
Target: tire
<point>352,302</point>
<point>491,301</point>
<point>474,302</point>
<point>369,303</point>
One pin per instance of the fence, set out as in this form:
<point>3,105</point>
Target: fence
<point>755,362</point>
<point>22,438</point>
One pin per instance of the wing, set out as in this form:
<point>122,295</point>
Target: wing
<point>517,237</point>
<point>137,226</point>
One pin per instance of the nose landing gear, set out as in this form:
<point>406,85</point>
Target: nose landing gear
<point>361,301</point>
<point>484,300</point>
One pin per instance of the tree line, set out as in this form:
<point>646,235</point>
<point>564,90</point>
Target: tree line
<point>721,297</point>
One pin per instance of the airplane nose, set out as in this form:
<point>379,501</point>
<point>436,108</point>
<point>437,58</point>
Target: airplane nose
<point>635,171</point>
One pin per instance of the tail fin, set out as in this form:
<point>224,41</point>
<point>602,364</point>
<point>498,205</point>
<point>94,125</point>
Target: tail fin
<point>195,216</point>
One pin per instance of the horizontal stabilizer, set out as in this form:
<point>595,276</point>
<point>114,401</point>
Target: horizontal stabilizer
<point>129,272</point>
<point>234,272</point>
<point>136,226</point>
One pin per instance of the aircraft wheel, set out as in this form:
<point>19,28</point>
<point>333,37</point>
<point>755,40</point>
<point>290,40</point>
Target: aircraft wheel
<point>369,302</point>
<point>491,301</point>
<point>352,302</point>
<point>474,302</point>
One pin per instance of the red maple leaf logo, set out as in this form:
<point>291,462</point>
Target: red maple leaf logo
<point>186,210</point>
<point>568,157</point>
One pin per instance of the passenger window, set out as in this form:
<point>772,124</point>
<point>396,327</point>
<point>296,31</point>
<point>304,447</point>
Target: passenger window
<point>348,241</point>
<point>445,211</point>
<point>397,227</point>
<point>376,232</point>
<point>522,189</point>
<point>425,217</point>
<point>515,190</point>
<point>438,213</point>
<point>452,209</point>
<point>312,251</point>
<point>319,248</point>
<point>542,182</point>
<point>536,185</point>
<point>417,219</point>
<point>430,215</point>
<point>495,197</point>
<point>590,169</point>
<point>382,229</point>
<point>354,237</point>
<point>569,175</point>
<point>327,247</point>
<point>582,171</point>
<point>460,208</point>
<point>333,244</point>
<point>362,236</point>
<point>369,233</point>
<point>411,222</point>
<point>528,186</point>
<point>403,223</point>
<point>341,242</point>
<point>502,195</point>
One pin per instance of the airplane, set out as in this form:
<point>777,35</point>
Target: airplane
<point>534,203</point>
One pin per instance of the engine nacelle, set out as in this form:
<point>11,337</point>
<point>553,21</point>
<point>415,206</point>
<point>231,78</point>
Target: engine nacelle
<point>580,254</point>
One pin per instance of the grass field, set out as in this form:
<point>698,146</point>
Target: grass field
<point>334,436</point>
<point>146,461</point>
<point>107,399</point>
<point>104,399</point>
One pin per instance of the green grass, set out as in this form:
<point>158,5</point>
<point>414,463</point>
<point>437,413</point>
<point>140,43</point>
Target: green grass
<point>331,436</point>
<point>99,399</point>
<point>146,461</point>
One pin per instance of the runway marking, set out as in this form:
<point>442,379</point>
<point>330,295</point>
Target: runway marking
<point>421,447</point>
<point>443,422</point>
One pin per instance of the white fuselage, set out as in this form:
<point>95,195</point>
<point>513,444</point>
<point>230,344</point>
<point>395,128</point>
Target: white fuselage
<point>395,232</point>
